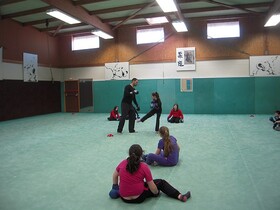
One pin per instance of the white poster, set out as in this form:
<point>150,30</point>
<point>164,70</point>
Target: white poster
<point>117,71</point>
<point>267,65</point>
<point>30,67</point>
<point>185,59</point>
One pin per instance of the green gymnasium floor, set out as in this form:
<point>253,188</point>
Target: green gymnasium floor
<point>63,162</point>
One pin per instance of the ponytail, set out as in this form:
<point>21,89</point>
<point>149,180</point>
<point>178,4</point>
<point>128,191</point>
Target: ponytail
<point>164,133</point>
<point>134,159</point>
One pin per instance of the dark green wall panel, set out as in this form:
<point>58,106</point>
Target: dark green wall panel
<point>233,96</point>
<point>267,94</point>
<point>107,94</point>
<point>184,99</point>
<point>247,95</point>
<point>167,90</point>
<point>203,96</point>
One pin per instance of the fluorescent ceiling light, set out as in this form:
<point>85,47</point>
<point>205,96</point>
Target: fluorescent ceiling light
<point>101,34</point>
<point>180,26</point>
<point>157,20</point>
<point>62,16</point>
<point>167,5</point>
<point>273,20</point>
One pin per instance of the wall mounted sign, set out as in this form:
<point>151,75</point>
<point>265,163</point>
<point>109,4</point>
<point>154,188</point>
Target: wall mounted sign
<point>185,59</point>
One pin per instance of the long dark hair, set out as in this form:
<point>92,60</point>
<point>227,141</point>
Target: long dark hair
<point>164,133</point>
<point>115,109</point>
<point>177,107</point>
<point>157,96</point>
<point>134,159</point>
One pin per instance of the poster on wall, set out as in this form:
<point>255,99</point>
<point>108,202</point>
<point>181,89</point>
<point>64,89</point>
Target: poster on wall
<point>117,71</point>
<point>30,67</point>
<point>267,65</point>
<point>185,59</point>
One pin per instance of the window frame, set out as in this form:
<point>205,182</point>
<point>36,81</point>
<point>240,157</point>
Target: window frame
<point>87,38</point>
<point>226,28</point>
<point>148,32</point>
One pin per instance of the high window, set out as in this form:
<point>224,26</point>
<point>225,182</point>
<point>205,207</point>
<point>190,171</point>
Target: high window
<point>151,35</point>
<point>85,42</point>
<point>223,30</point>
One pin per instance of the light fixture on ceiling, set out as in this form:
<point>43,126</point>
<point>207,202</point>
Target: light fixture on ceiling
<point>167,5</point>
<point>273,20</point>
<point>180,26</point>
<point>102,34</point>
<point>156,20</point>
<point>62,16</point>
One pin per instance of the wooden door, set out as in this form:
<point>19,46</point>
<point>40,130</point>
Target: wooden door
<point>72,96</point>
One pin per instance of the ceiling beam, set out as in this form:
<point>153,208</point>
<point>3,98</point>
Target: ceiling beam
<point>187,1</point>
<point>118,9</point>
<point>137,6</point>
<point>6,2</point>
<point>230,6</point>
<point>188,11</point>
<point>81,2</point>
<point>62,26</point>
<point>79,13</point>
<point>57,30</point>
<point>109,20</point>
<point>134,14</point>
<point>28,12</point>
<point>37,22</point>
<point>179,13</point>
<point>222,17</point>
<point>130,7</point>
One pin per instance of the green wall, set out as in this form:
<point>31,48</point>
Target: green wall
<point>248,95</point>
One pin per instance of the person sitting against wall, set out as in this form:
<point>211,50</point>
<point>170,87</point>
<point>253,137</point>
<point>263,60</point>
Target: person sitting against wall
<point>167,152</point>
<point>175,115</point>
<point>276,120</point>
<point>114,115</point>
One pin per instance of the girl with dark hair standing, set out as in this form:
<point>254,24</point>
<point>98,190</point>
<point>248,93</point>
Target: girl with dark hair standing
<point>176,115</point>
<point>129,184</point>
<point>114,115</point>
<point>155,109</point>
<point>167,153</point>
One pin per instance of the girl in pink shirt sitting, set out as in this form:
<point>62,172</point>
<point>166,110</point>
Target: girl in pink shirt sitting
<point>133,181</point>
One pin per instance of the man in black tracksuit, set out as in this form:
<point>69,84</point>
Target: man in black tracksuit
<point>127,107</point>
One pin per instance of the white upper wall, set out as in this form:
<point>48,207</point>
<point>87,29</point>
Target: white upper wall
<point>204,69</point>
<point>12,71</point>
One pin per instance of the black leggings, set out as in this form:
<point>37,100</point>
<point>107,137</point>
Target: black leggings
<point>174,120</point>
<point>151,113</point>
<point>162,185</point>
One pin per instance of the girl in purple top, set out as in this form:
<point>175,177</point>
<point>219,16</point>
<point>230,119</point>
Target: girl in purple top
<point>167,153</point>
<point>133,181</point>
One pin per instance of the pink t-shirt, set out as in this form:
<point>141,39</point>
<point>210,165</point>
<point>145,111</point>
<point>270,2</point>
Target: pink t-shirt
<point>133,184</point>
